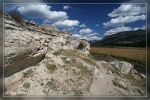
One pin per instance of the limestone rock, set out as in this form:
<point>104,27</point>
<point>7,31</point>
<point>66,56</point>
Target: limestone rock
<point>120,83</point>
<point>49,28</point>
<point>27,44</point>
<point>142,75</point>
<point>122,66</point>
<point>81,45</point>
<point>109,72</point>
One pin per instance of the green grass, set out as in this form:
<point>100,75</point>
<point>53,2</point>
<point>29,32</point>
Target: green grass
<point>78,70</point>
<point>65,61</point>
<point>26,85</point>
<point>56,53</point>
<point>51,67</point>
<point>52,84</point>
<point>77,54</point>
<point>140,66</point>
<point>78,93</point>
<point>28,73</point>
<point>85,71</point>
<point>69,81</point>
<point>134,81</point>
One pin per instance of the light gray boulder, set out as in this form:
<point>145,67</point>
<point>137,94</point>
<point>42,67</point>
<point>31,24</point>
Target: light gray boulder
<point>122,66</point>
<point>119,83</point>
<point>77,44</point>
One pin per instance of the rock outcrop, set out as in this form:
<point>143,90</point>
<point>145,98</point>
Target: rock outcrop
<point>41,60</point>
<point>27,45</point>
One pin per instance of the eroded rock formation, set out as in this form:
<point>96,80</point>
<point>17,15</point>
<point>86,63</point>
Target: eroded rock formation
<point>27,45</point>
<point>41,60</point>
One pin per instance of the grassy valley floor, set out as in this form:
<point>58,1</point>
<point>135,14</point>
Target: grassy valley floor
<point>136,56</point>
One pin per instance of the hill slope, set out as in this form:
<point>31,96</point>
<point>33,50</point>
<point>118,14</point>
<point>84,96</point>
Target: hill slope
<point>128,38</point>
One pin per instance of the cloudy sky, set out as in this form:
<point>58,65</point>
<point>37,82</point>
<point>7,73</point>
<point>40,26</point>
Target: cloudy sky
<point>86,21</point>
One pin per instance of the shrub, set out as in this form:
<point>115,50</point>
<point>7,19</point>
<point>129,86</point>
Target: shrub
<point>65,60</point>
<point>81,46</point>
<point>78,93</point>
<point>28,73</point>
<point>16,16</point>
<point>52,84</point>
<point>85,71</point>
<point>77,54</point>
<point>26,85</point>
<point>51,67</point>
<point>57,52</point>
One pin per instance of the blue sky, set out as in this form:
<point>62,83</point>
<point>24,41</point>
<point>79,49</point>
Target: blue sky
<point>86,21</point>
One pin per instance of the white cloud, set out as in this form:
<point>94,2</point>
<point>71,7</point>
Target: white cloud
<point>137,28</point>
<point>126,13</point>
<point>123,15</point>
<point>85,31</point>
<point>139,1</point>
<point>128,10</point>
<point>122,29</point>
<point>42,10</point>
<point>143,27</point>
<point>97,25</point>
<point>68,29</point>
<point>87,34</point>
<point>46,21</point>
<point>77,35</point>
<point>82,26</point>
<point>66,7</point>
<point>119,21</point>
<point>67,23</point>
<point>94,37</point>
<point>92,34</point>
<point>118,29</point>
<point>23,1</point>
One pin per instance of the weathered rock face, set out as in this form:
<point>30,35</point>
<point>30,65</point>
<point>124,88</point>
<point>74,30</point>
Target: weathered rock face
<point>37,57</point>
<point>21,50</point>
<point>27,44</point>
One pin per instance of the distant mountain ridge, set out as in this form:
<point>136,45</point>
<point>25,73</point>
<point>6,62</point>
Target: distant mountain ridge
<point>127,38</point>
